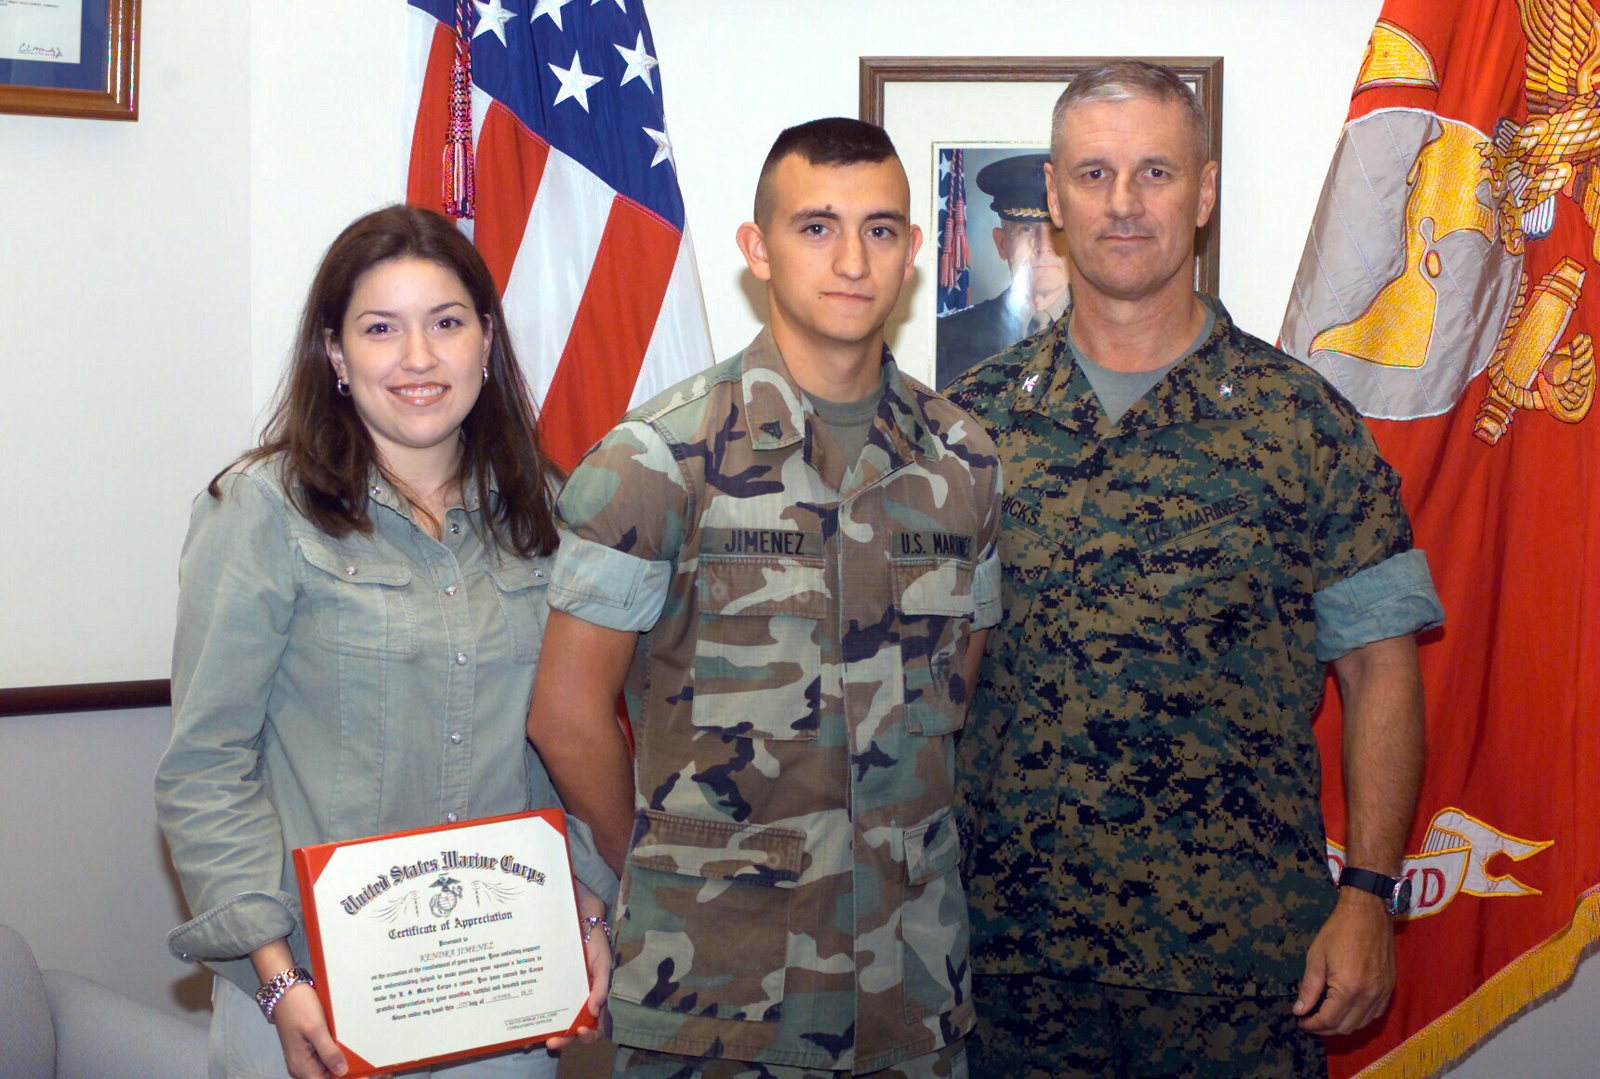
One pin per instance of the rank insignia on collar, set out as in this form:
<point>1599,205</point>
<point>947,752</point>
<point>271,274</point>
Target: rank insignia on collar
<point>1225,390</point>
<point>1029,382</point>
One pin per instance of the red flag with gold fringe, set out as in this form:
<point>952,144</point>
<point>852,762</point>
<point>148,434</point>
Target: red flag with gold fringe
<point>1450,288</point>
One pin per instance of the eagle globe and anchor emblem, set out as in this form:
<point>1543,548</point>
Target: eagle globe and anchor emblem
<point>445,899</point>
<point>1414,315</point>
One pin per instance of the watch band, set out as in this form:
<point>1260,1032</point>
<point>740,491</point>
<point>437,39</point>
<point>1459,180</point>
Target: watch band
<point>1394,891</point>
<point>272,991</point>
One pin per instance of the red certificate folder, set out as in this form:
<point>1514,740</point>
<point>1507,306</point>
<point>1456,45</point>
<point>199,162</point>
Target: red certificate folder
<point>447,942</point>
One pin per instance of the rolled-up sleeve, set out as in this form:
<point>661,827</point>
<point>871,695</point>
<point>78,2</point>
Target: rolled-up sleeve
<point>1391,599</point>
<point>235,601</point>
<point>624,512</point>
<point>607,587</point>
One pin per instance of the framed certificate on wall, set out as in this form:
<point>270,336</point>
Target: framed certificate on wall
<point>70,58</point>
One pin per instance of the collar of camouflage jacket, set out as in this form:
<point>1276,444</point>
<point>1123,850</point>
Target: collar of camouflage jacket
<point>776,410</point>
<point>1202,385</point>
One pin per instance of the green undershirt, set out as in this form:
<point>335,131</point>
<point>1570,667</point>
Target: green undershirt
<point>1119,391</point>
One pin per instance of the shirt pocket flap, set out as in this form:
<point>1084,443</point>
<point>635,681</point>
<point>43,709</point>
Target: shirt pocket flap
<point>720,850</point>
<point>932,849</point>
<point>352,567</point>
<point>758,587</point>
<point>515,576</point>
<point>1224,550</point>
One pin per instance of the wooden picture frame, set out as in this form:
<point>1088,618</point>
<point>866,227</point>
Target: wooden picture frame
<point>102,85</point>
<point>927,103</point>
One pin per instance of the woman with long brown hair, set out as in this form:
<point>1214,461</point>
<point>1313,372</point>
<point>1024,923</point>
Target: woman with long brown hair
<point>361,604</point>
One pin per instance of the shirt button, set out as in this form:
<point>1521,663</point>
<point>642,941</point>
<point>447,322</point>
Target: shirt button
<point>454,527</point>
<point>455,738</point>
<point>349,571</point>
<point>461,659</point>
<point>450,818</point>
<point>375,491</point>
<point>450,590</point>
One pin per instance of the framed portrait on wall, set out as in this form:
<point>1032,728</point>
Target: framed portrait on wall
<point>70,58</point>
<point>974,135</point>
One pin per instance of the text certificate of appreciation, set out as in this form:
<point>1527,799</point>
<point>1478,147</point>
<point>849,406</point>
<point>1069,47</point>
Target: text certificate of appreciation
<point>445,942</point>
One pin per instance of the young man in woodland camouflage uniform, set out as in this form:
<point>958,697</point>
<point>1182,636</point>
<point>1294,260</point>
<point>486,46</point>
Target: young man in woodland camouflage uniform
<point>791,560</point>
<point>1193,524</point>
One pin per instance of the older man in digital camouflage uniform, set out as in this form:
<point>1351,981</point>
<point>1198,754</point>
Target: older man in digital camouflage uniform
<point>791,557</point>
<point>1193,524</point>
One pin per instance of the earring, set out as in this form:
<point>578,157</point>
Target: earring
<point>342,386</point>
<point>486,375</point>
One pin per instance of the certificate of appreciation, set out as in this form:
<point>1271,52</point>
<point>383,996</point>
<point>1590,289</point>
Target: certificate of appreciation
<point>445,942</point>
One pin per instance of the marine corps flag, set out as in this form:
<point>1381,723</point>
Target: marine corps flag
<point>1450,288</point>
<point>540,124</point>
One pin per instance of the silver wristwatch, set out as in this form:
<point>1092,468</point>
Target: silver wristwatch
<point>272,992</point>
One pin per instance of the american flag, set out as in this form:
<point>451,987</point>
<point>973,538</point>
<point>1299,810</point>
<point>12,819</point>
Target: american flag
<point>953,262</point>
<point>577,208</point>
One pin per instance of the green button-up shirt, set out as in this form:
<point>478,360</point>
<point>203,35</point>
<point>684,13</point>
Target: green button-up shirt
<point>327,689</point>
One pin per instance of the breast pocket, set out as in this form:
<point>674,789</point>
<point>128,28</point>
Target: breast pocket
<point>522,589</point>
<point>361,602</point>
<point>704,923</point>
<point>1209,590</point>
<point>934,598</point>
<point>758,656</point>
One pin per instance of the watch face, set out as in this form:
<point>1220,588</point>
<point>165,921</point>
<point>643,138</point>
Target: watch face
<point>1402,897</point>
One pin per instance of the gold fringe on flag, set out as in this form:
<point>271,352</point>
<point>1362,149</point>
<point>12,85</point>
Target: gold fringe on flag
<point>1524,981</point>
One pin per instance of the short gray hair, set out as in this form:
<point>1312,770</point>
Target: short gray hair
<point>1127,80</point>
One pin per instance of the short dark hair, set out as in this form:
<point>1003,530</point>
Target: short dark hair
<point>327,449</point>
<point>1124,80</point>
<point>835,140</point>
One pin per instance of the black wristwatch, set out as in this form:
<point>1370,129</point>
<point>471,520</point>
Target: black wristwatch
<point>1394,891</point>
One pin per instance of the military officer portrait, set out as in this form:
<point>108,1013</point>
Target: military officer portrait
<point>1032,263</point>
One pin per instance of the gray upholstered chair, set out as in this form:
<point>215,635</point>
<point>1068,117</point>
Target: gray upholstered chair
<point>55,1024</point>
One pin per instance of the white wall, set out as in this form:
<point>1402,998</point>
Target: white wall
<point>126,315</point>
<point>153,275</point>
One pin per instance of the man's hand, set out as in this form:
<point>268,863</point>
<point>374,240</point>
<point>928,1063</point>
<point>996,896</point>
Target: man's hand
<point>1350,967</point>
<point>309,1051</point>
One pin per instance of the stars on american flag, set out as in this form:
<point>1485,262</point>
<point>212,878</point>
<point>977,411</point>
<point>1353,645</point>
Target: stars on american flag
<point>575,82</point>
<point>639,64</point>
<point>551,8</point>
<point>492,18</point>
<point>663,147</point>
